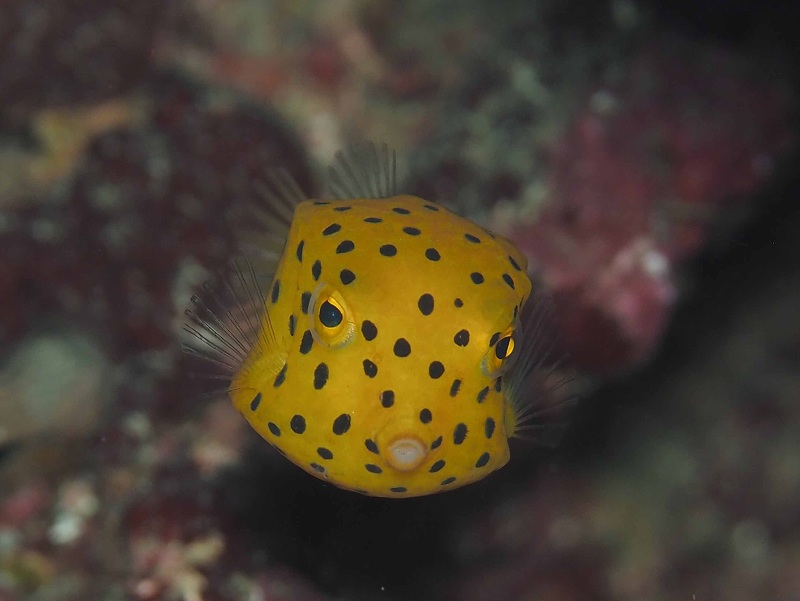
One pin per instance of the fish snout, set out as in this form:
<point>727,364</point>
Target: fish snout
<point>403,444</point>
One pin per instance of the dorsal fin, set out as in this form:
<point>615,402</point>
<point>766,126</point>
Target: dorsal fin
<point>226,318</point>
<point>363,171</point>
<point>264,225</point>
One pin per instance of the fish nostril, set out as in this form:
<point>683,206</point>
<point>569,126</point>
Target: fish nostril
<point>406,452</point>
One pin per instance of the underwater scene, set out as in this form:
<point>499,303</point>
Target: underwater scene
<point>357,300</point>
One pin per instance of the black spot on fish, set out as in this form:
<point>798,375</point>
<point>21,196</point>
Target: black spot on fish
<point>317,467</point>
<point>431,207</point>
<point>299,251</point>
<point>371,467</point>
<point>320,376</point>
<point>276,290</point>
<point>398,489</point>
<point>477,278</point>
<point>369,330</point>
<point>306,342</point>
<point>279,379</point>
<point>256,401</point>
<point>342,209</point>
<point>371,446</point>
<point>482,394</point>
<point>291,325</point>
<point>401,211</point>
<point>321,202</point>
<point>402,348</point>
<point>432,254</point>
<point>436,443</point>
<point>514,264</point>
<point>345,247</point>
<point>498,384</point>
<point>304,300</point>
<point>370,368</point>
<point>347,276</point>
<point>325,453</point>
<point>454,388</point>
<point>341,424</point>
<point>425,304</point>
<point>489,427</point>
<point>508,280</point>
<point>425,416</point>
<point>458,303</point>
<point>298,424</point>
<point>449,480</point>
<point>411,231</point>
<point>387,398</point>
<point>494,338</point>
<point>435,370</point>
<point>461,338</point>
<point>373,220</point>
<point>460,433</point>
<point>331,229</point>
<point>316,270</point>
<point>276,431</point>
<point>437,465</point>
<point>482,460</point>
<point>388,250</point>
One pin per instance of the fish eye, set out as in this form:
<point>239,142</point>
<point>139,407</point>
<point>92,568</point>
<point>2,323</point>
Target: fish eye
<point>329,314</point>
<point>504,347</point>
<point>498,358</point>
<point>330,320</point>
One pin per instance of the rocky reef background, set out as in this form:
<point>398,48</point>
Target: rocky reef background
<point>642,154</point>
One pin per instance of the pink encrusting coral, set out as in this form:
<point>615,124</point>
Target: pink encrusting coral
<point>635,185</point>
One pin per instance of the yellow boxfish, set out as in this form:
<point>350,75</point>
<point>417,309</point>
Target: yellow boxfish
<point>386,354</point>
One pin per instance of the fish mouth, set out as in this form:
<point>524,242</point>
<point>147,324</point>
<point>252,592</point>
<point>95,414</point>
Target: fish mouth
<point>406,452</point>
<point>403,445</point>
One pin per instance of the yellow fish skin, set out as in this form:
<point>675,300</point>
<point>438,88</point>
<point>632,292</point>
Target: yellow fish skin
<point>383,359</point>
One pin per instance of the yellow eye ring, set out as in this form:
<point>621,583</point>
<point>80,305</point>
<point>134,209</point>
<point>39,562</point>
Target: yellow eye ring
<point>499,357</point>
<point>330,320</point>
<point>504,347</point>
<point>330,314</point>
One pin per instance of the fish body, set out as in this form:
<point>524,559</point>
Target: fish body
<point>382,347</point>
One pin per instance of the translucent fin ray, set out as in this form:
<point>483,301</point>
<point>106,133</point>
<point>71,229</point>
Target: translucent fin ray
<point>225,322</point>
<point>363,171</point>
<point>538,385</point>
<point>264,225</point>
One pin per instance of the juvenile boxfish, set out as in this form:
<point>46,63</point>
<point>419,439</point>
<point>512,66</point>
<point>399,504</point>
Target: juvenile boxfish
<point>387,352</point>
